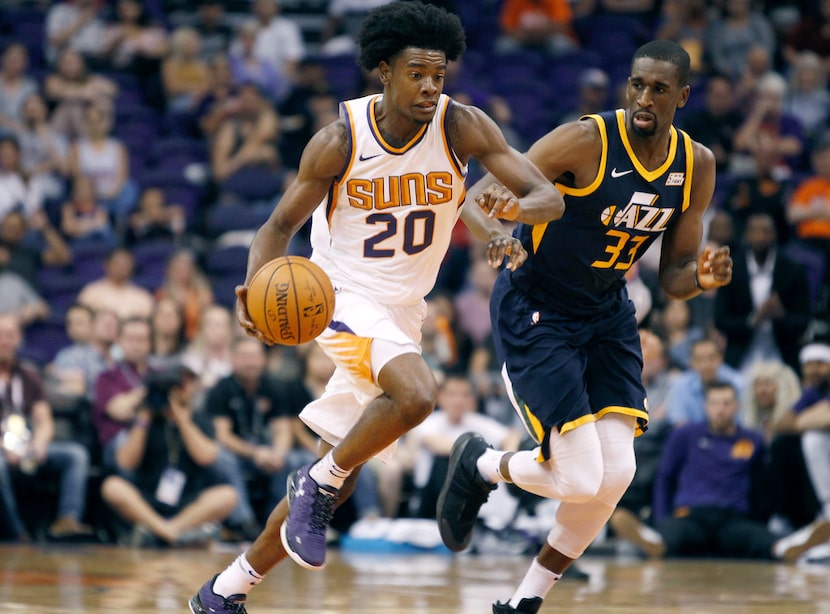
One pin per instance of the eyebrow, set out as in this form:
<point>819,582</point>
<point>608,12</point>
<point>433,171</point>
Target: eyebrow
<point>657,83</point>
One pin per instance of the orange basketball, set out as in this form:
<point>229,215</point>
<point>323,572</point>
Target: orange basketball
<point>290,300</point>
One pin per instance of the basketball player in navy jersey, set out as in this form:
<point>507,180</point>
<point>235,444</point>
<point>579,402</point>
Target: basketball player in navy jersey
<point>385,185</point>
<point>564,327</point>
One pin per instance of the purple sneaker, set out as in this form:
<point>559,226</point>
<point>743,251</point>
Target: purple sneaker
<point>208,602</point>
<point>310,508</point>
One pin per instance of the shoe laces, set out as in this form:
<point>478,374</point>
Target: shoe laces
<point>235,604</point>
<point>322,509</point>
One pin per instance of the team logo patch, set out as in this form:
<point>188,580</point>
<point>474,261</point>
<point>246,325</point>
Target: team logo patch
<point>676,179</point>
<point>743,449</point>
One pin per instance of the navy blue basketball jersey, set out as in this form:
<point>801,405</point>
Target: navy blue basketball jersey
<point>576,264</point>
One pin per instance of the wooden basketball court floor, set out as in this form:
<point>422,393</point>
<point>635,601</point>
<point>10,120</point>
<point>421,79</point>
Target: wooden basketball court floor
<point>97,579</point>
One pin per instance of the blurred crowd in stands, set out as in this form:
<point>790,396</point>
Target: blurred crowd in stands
<point>142,143</point>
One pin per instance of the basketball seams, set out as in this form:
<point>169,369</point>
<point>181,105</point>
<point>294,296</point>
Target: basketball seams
<point>266,298</point>
<point>312,272</point>
<point>290,263</point>
<point>288,285</point>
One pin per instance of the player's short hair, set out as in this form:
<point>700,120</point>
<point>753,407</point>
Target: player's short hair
<point>666,51</point>
<point>391,28</point>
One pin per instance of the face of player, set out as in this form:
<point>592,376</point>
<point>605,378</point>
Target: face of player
<point>653,94</point>
<point>412,84</point>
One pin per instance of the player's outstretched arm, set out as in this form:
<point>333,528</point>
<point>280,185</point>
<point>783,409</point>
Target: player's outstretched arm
<point>323,158</point>
<point>522,193</point>
<point>573,148</point>
<point>685,269</point>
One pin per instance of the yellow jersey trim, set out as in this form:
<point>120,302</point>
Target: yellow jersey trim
<point>373,125</point>
<point>538,231</point>
<point>690,167</point>
<point>641,415</point>
<point>603,159</point>
<point>456,164</point>
<point>348,114</point>
<point>647,174</point>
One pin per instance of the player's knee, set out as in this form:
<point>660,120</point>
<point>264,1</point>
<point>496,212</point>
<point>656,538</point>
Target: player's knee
<point>582,480</point>
<point>582,492</point>
<point>418,405</point>
<point>617,479</point>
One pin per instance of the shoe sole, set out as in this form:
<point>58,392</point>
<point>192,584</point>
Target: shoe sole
<point>193,607</point>
<point>284,533</point>
<point>820,535</point>
<point>627,526</point>
<point>456,454</point>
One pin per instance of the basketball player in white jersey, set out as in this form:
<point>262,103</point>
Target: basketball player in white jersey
<point>385,184</point>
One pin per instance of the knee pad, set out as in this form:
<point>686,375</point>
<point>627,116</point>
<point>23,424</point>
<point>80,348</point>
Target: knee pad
<point>616,434</point>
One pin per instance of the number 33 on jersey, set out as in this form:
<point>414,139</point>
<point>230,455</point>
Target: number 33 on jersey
<point>609,223</point>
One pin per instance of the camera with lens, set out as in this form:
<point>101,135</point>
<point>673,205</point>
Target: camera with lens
<point>160,383</point>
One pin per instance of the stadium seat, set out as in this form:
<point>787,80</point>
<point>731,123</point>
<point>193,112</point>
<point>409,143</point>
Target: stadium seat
<point>224,288</point>
<point>224,218</point>
<point>231,260</point>
<point>343,75</point>
<point>43,339</point>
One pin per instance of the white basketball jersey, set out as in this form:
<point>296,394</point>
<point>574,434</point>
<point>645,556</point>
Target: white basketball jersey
<point>385,226</point>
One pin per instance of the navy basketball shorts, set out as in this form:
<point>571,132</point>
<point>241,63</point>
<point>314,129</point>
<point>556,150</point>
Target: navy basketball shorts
<point>563,371</point>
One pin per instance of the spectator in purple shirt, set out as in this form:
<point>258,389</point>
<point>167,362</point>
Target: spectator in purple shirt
<point>120,390</point>
<point>705,495</point>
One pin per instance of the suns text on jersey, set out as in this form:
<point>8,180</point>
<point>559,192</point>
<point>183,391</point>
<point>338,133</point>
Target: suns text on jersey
<point>434,188</point>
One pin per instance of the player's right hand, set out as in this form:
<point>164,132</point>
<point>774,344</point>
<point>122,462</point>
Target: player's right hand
<point>499,202</point>
<point>244,318</point>
<point>503,246</point>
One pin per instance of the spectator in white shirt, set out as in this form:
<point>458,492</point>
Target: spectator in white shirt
<point>432,440</point>
<point>15,192</point>
<point>76,24</point>
<point>279,40</point>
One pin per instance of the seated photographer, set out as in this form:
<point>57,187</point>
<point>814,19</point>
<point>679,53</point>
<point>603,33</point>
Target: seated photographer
<point>171,496</point>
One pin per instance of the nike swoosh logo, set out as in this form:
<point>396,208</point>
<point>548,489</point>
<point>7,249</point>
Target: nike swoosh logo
<point>616,174</point>
<point>363,159</point>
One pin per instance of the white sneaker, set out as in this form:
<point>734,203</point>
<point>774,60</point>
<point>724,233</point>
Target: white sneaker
<point>790,548</point>
<point>627,526</point>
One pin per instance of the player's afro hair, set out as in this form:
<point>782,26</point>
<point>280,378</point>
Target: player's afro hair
<point>391,28</point>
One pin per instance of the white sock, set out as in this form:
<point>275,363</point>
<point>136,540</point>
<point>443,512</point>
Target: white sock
<point>489,465</point>
<point>237,579</point>
<point>537,583</point>
<point>326,471</point>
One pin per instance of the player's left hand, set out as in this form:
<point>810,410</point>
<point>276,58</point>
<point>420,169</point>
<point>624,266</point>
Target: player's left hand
<point>714,267</point>
<point>503,245</point>
<point>499,202</point>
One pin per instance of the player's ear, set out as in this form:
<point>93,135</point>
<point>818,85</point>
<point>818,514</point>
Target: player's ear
<point>383,71</point>
<point>684,96</point>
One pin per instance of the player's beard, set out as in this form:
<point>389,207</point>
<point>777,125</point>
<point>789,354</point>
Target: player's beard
<point>637,131</point>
